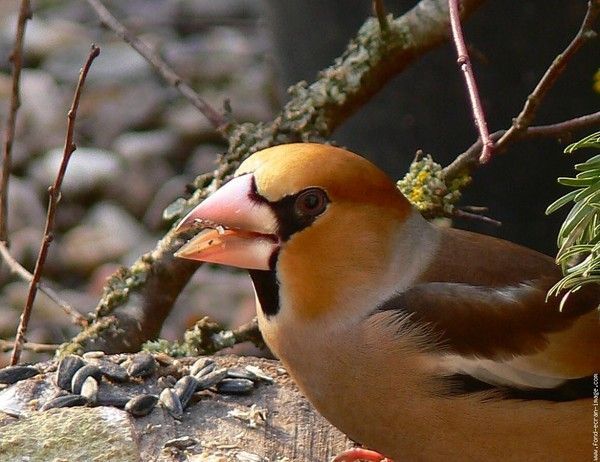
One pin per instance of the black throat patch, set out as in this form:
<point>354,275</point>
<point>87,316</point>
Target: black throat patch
<point>267,290</point>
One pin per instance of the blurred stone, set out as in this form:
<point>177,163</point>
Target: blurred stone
<point>117,62</point>
<point>189,122</point>
<point>141,146</point>
<point>24,207</point>
<point>42,106</point>
<point>105,235</point>
<point>203,159</point>
<point>173,188</point>
<point>88,169</point>
<point>45,35</point>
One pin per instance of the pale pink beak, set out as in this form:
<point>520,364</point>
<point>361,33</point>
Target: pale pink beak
<point>245,228</point>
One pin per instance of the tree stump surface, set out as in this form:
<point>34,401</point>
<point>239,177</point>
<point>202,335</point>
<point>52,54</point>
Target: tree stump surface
<point>291,431</point>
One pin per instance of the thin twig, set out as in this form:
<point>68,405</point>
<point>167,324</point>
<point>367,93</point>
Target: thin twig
<point>16,58</point>
<point>468,159</point>
<point>6,345</point>
<point>15,268</point>
<point>164,70</point>
<point>464,63</point>
<point>528,113</point>
<point>379,10</point>
<point>54,197</point>
<point>461,213</point>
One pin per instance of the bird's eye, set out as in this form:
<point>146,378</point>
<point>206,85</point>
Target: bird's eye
<point>311,202</point>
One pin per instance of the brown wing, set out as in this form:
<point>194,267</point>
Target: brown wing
<point>484,302</point>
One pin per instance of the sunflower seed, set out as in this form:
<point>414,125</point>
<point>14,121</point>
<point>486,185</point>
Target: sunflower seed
<point>89,390</point>
<point>93,354</point>
<point>113,371</point>
<point>211,379</point>
<point>235,386</point>
<point>171,402</point>
<point>238,373</point>
<point>13,374</point>
<point>202,364</point>
<point>64,401</point>
<point>259,373</point>
<point>142,365</point>
<point>166,381</point>
<point>185,387</point>
<point>67,368</point>
<point>141,405</point>
<point>180,443</point>
<point>86,371</point>
<point>110,396</point>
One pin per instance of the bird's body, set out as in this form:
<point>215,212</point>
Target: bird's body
<point>421,342</point>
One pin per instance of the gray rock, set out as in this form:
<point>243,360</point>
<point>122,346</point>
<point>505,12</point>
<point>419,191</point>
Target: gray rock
<point>25,207</point>
<point>143,146</point>
<point>88,169</point>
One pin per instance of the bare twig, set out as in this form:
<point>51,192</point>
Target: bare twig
<point>15,268</point>
<point>461,213</point>
<point>54,197</point>
<point>6,345</point>
<point>528,113</point>
<point>468,159</point>
<point>379,10</point>
<point>16,58</point>
<point>465,66</point>
<point>164,70</point>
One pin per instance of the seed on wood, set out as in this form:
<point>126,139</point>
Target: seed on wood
<point>93,354</point>
<point>170,401</point>
<point>110,396</point>
<point>180,443</point>
<point>142,365</point>
<point>86,371</point>
<point>113,371</point>
<point>89,390</point>
<point>238,373</point>
<point>166,381</point>
<point>64,401</point>
<point>211,379</point>
<point>235,386</point>
<point>13,374</point>
<point>141,405</point>
<point>185,387</point>
<point>259,373</point>
<point>67,368</point>
<point>201,365</point>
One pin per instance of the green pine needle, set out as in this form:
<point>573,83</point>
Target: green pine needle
<point>579,236</point>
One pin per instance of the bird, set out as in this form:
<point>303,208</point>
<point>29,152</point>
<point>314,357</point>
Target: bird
<point>419,342</point>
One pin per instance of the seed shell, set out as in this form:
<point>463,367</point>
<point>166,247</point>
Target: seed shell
<point>13,374</point>
<point>202,364</point>
<point>170,401</point>
<point>185,387</point>
<point>64,401</point>
<point>235,386</point>
<point>142,365</point>
<point>89,390</point>
<point>67,368</point>
<point>211,379</point>
<point>141,405</point>
<point>86,371</point>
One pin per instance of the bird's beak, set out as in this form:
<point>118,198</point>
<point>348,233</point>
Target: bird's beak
<point>242,230</point>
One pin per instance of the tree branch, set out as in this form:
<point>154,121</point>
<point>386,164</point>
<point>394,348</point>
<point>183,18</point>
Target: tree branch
<point>139,298</point>
<point>464,63</point>
<point>15,268</point>
<point>469,159</point>
<point>6,345</point>
<point>164,70</point>
<point>529,111</point>
<point>16,58</point>
<point>54,197</point>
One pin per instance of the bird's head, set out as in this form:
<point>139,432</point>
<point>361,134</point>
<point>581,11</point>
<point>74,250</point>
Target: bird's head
<point>313,220</point>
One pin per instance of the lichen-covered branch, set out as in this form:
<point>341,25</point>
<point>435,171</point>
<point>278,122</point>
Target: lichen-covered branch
<point>139,298</point>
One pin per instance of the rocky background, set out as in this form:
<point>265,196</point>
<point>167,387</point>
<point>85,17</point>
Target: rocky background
<point>139,144</point>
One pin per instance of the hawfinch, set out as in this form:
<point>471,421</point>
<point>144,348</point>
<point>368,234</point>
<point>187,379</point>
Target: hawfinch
<point>422,343</point>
